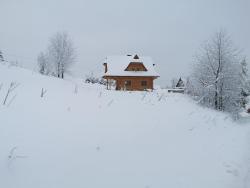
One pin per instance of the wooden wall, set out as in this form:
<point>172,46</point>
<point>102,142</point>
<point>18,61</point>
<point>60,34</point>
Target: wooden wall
<point>136,82</point>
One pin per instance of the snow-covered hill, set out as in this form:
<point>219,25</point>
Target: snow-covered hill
<point>96,138</point>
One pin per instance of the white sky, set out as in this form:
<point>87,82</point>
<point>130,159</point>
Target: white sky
<point>170,31</point>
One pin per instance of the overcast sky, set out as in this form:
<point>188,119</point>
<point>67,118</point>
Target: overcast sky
<point>170,31</point>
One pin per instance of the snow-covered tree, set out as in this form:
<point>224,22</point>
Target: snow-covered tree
<point>245,83</point>
<point>61,53</point>
<point>59,56</point>
<point>1,56</point>
<point>93,79</point>
<point>216,74</point>
<point>44,64</point>
<point>189,88</point>
<point>174,81</point>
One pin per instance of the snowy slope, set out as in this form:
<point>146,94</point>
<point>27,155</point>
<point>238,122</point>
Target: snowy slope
<point>108,139</point>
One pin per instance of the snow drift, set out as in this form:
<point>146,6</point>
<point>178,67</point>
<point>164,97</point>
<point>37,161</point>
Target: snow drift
<point>80,135</point>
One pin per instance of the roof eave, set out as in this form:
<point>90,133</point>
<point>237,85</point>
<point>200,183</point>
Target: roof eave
<point>156,76</point>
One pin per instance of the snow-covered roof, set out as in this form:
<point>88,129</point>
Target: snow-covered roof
<point>116,66</point>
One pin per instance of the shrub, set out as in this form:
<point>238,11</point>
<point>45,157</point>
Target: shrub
<point>248,110</point>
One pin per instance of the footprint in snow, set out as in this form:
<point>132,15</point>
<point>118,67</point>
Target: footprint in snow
<point>234,172</point>
<point>191,129</point>
<point>14,156</point>
<point>231,170</point>
<point>110,102</point>
<point>98,148</point>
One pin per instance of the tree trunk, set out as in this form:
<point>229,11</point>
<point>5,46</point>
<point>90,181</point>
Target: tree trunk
<point>216,100</point>
<point>221,98</point>
<point>216,96</point>
<point>58,70</point>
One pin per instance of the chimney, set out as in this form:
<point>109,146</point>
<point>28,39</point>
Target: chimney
<point>106,67</point>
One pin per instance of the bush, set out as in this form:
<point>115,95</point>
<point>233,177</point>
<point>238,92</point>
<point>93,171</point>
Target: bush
<point>95,80</point>
<point>248,110</point>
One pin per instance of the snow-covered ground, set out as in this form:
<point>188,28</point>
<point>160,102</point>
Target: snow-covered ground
<point>94,138</point>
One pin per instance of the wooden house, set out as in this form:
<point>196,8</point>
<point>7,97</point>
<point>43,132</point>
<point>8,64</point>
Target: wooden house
<point>130,72</point>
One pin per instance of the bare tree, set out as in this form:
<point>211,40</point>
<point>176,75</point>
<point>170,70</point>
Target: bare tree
<point>61,53</point>
<point>216,74</point>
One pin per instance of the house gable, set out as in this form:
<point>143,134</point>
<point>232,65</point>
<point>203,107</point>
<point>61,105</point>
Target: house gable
<point>133,66</point>
<point>136,65</point>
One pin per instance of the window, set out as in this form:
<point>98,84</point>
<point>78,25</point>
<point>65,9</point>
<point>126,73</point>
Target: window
<point>144,83</point>
<point>128,83</point>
